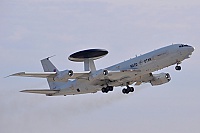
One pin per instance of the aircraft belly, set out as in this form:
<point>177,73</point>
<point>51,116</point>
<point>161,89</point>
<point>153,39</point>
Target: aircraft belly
<point>124,76</point>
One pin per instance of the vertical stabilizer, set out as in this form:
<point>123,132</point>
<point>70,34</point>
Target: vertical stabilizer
<point>49,67</point>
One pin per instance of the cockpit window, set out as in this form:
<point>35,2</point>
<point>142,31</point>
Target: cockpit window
<point>182,45</point>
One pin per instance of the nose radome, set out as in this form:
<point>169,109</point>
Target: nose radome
<point>192,49</point>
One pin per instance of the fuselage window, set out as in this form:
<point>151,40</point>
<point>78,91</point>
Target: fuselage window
<point>183,46</point>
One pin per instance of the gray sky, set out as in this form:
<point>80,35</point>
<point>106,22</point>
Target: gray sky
<point>34,29</point>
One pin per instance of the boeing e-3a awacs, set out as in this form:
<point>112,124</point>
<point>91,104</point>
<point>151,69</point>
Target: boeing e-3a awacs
<point>136,70</point>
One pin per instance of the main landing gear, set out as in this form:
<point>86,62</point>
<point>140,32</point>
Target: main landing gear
<point>127,90</point>
<point>107,89</point>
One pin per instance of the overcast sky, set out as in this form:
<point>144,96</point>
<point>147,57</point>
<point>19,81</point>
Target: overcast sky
<point>31,30</point>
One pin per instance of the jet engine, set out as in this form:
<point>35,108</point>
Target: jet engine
<point>63,76</point>
<point>159,79</point>
<point>99,74</point>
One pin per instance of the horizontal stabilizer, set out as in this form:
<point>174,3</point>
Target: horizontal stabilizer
<point>44,91</point>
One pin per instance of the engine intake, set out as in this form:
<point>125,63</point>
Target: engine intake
<point>63,76</point>
<point>99,74</point>
<point>159,79</point>
<point>105,72</point>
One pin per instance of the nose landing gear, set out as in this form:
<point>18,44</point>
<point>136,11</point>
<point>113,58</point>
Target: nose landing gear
<point>178,68</point>
<point>127,90</point>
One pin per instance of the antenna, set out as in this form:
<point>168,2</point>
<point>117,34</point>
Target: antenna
<point>50,57</point>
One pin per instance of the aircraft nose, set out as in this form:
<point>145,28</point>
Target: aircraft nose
<point>191,49</point>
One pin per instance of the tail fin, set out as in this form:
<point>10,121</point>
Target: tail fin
<point>49,67</point>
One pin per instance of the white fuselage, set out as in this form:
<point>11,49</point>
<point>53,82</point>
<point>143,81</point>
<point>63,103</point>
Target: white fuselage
<point>147,63</point>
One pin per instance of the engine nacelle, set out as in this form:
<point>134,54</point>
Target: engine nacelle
<point>159,79</point>
<point>63,76</point>
<point>99,74</point>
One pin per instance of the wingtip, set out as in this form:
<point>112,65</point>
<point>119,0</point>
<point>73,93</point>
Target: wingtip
<point>7,76</point>
<point>22,91</point>
<point>15,74</point>
<point>26,91</point>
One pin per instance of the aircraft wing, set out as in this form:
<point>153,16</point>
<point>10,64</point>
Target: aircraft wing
<point>76,75</point>
<point>112,75</point>
<point>35,74</point>
<point>80,75</point>
<point>43,91</point>
<point>119,75</point>
<point>117,78</point>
